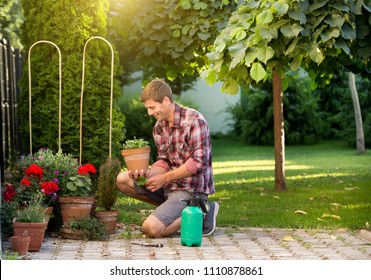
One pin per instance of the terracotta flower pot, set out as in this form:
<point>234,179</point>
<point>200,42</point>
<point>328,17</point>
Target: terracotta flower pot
<point>73,207</point>
<point>35,231</point>
<point>137,159</point>
<point>109,218</point>
<point>20,244</point>
<point>69,233</point>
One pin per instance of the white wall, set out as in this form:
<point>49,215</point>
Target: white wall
<point>212,104</point>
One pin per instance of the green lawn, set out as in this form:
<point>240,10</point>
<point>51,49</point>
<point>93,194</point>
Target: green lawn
<point>328,186</point>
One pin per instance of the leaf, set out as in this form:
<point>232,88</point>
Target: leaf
<point>298,15</point>
<point>230,86</point>
<point>296,63</point>
<point>325,215</point>
<point>317,4</point>
<point>340,44</point>
<point>203,36</point>
<point>288,238</point>
<point>277,197</point>
<point>291,30</point>
<point>257,72</point>
<point>209,76</point>
<point>219,45</point>
<point>332,33</point>
<point>176,33</point>
<point>292,46</point>
<point>265,53</point>
<point>312,198</point>
<point>300,212</point>
<point>280,8</point>
<point>250,56</point>
<point>237,53</point>
<point>336,20</point>
<point>264,17</point>
<point>316,54</point>
<point>148,50</point>
<point>269,33</point>
<point>186,4</point>
<point>348,32</point>
<point>234,32</point>
<point>335,204</point>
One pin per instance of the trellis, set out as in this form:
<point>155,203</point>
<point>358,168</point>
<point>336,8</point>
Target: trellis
<point>60,93</point>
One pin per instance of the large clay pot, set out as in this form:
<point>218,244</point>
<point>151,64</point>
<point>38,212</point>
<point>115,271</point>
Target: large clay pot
<point>35,231</point>
<point>73,207</point>
<point>137,159</point>
<point>20,244</point>
<point>109,218</point>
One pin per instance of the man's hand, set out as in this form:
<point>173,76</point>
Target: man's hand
<point>156,182</point>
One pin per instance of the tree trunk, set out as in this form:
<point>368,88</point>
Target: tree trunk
<point>279,134</point>
<point>357,115</point>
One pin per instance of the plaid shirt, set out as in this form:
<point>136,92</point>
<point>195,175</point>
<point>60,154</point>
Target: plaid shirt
<point>186,142</point>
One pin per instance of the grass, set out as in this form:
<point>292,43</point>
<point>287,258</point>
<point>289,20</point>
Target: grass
<point>328,186</point>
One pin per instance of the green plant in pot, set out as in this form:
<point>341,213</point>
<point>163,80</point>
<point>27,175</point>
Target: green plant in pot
<point>88,228</point>
<point>136,153</point>
<point>108,193</point>
<point>76,198</point>
<point>30,221</point>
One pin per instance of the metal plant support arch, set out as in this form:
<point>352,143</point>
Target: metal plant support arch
<point>111,94</point>
<point>60,93</point>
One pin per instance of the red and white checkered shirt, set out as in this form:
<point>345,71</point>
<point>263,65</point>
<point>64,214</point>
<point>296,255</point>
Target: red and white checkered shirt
<point>186,142</point>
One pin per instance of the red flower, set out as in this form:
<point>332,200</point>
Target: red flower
<point>86,169</point>
<point>9,193</point>
<point>49,187</point>
<point>25,182</point>
<point>35,170</point>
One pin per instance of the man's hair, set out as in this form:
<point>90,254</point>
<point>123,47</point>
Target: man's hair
<point>156,90</point>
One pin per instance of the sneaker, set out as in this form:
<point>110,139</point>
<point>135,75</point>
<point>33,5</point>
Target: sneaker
<point>209,224</point>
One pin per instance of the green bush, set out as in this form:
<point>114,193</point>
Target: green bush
<point>92,227</point>
<point>138,124</point>
<point>253,115</point>
<point>8,211</point>
<point>69,27</point>
<point>337,105</point>
<point>107,189</point>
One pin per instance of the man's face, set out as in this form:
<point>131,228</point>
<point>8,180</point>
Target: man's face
<point>159,110</point>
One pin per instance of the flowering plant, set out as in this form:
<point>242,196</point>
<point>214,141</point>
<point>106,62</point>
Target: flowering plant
<point>55,174</point>
<point>34,185</point>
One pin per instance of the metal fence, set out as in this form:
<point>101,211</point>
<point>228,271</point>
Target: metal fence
<point>11,63</point>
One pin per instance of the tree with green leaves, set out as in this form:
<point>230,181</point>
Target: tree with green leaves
<point>69,24</point>
<point>11,19</point>
<point>267,38</point>
<point>167,38</point>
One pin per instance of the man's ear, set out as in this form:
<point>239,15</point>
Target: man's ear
<point>166,100</point>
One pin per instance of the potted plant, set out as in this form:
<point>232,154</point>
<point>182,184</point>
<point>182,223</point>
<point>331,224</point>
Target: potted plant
<point>88,228</point>
<point>30,221</point>
<point>76,199</point>
<point>136,153</point>
<point>108,193</point>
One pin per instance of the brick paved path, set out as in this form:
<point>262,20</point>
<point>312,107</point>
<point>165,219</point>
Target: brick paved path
<point>225,244</point>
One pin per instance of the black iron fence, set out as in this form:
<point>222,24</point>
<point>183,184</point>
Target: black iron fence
<point>11,63</point>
